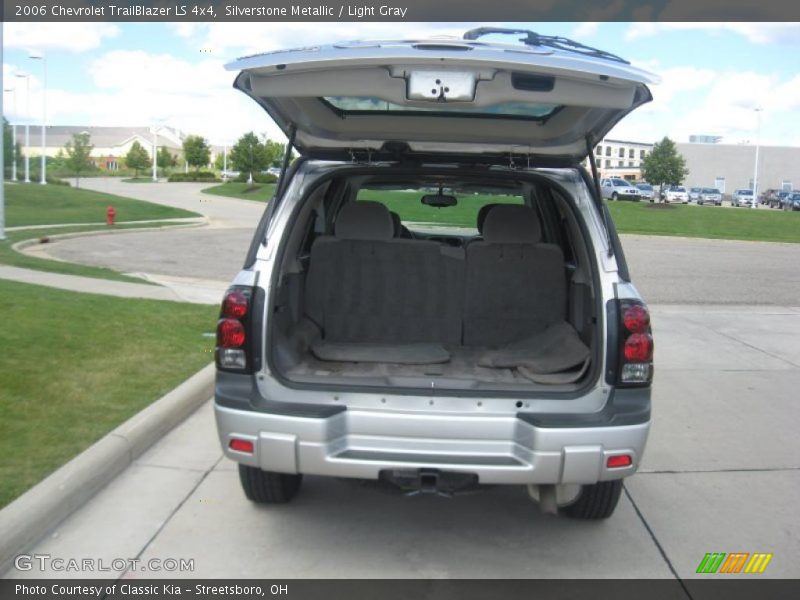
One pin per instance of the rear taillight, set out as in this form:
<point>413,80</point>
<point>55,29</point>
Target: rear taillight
<point>233,345</point>
<point>636,344</point>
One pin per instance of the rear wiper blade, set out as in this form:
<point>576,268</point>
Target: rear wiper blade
<point>551,41</point>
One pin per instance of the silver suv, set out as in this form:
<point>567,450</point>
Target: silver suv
<point>436,296</point>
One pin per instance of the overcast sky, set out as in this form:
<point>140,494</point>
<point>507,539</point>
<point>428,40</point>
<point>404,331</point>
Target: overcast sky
<point>714,75</point>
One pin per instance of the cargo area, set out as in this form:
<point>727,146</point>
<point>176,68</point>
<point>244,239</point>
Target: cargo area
<point>436,281</point>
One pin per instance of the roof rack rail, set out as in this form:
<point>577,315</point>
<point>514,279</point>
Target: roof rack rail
<point>534,39</point>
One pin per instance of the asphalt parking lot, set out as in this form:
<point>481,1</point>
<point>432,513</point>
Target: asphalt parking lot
<point>721,472</point>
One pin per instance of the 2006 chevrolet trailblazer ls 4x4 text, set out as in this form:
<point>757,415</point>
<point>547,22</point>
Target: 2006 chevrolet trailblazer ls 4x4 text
<point>436,296</point>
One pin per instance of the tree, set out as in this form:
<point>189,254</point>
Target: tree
<point>137,158</point>
<point>196,151</point>
<point>78,152</point>
<point>249,155</point>
<point>165,159</point>
<point>664,165</point>
<point>8,150</point>
<point>275,152</point>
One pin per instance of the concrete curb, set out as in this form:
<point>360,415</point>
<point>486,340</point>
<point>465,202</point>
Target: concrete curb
<point>21,245</point>
<point>31,516</point>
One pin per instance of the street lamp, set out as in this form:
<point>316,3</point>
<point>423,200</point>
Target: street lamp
<point>157,125</point>
<point>40,56</point>
<point>27,79</point>
<point>755,168</point>
<point>13,133</point>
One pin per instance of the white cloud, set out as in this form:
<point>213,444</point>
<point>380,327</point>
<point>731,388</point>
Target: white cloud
<point>72,37</point>
<point>585,30</point>
<point>757,33</point>
<point>139,88</point>
<point>721,103</point>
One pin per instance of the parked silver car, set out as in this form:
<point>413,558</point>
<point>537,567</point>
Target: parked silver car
<point>646,190</point>
<point>359,341</point>
<point>710,196</point>
<point>694,194</point>
<point>742,198</point>
<point>616,188</point>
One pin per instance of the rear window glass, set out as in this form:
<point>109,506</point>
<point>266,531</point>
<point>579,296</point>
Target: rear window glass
<point>464,215</point>
<point>370,104</point>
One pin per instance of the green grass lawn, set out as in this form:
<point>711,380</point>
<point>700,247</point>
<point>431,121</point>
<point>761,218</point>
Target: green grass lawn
<point>74,366</point>
<point>630,217</point>
<point>706,222</point>
<point>17,259</point>
<point>411,210</point>
<point>262,192</point>
<point>33,204</point>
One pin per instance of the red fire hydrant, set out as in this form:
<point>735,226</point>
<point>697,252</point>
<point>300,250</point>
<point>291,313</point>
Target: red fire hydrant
<point>110,214</point>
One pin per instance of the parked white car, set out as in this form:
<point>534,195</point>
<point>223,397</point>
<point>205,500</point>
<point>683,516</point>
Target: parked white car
<point>677,194</point>
<point>742,198</point>
<point>616,188</point>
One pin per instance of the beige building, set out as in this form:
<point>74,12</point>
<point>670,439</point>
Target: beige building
<point>731,167</point>
<point>111,144</point>
<point>620,158</point>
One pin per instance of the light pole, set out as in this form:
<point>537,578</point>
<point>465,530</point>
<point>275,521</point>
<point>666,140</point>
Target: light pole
<point>40,56</point>
<point>27,79</point>
<point>13,134</point>
<point>755,168</point>
<point>155,151</point>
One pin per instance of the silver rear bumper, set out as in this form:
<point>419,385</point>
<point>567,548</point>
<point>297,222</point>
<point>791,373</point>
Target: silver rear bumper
<point>498,449</point>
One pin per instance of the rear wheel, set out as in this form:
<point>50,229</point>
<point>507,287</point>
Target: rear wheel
<point>596,501</point>
<point>266,487</point>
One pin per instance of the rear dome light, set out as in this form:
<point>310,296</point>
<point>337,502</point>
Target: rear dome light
<point>230,333</point>
<point>234,305</point>
<point>636,319</point>
<point>638,348</point>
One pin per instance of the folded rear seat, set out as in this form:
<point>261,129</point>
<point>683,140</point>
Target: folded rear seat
<point>515,284</point>
<point>366,287</point>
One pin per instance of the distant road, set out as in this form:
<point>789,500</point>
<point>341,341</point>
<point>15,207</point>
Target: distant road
<point>667,270</point>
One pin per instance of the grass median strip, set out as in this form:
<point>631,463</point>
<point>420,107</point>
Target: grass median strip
<point>33,204</point>
<point>260,192</point>
<point>74,366</point>
<point>707,222</point>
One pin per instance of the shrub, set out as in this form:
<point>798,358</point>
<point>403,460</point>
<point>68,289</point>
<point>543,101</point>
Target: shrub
<point>257,178</point>
<point>194,176</point>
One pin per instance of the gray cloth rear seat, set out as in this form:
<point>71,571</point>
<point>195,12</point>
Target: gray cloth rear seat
<point>365,286</point>
<point>515,285</point>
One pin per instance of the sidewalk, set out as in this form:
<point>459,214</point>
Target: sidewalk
<point>89,285</point>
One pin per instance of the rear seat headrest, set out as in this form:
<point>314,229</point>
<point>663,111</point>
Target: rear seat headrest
<point>512,224</point>
<point>364,220</point>
<point>482,213</point>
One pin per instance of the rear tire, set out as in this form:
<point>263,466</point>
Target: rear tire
<point>266,487</point>
<point>596,501</point>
